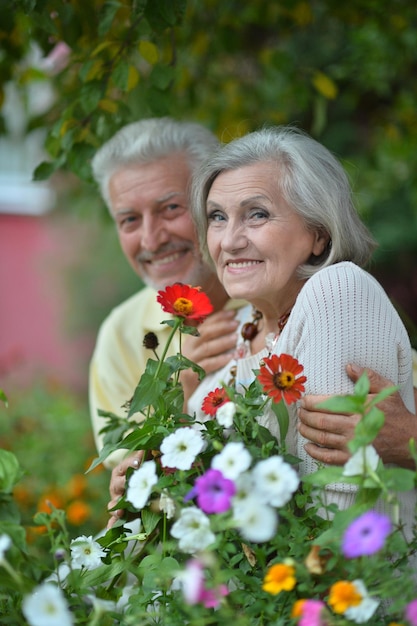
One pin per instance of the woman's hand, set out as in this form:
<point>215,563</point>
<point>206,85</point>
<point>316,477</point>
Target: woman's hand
<point>117,485</point>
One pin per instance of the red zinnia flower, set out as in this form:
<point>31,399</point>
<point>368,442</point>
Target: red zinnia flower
<point>185,301</point>
<point>278,377</point>
<point>213,401</point>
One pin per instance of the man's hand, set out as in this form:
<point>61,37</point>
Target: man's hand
<point>329,433</point>
<point>212,350</point>
<point>118,484</point>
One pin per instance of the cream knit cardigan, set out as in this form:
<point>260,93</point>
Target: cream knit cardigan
<point>341,315</point>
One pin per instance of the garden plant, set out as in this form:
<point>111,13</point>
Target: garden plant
<point>218,525</point>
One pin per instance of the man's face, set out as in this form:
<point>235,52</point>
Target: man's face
<point>156,232</point>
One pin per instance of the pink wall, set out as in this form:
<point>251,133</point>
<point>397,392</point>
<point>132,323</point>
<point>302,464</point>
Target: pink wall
<point>33,304</point>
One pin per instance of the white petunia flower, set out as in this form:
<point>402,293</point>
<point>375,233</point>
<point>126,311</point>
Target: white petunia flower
<point>365,609</point>
<point>245,488</point>
<point>100,605</point>
<point>225,414</point>
<point>180,449</point>
<point>85,552</point>
<point>5,544</point>
<point>276,480</point>
<point>364,461</point>
<point>233,460</point>
<point>46,606</point>
<point>59,575</point>
<point>140,484</point>
<point>167,505</point>
<point>256,520</point>
<point>193,530</point>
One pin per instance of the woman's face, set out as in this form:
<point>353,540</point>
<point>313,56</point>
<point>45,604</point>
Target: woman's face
<point>256,239</point>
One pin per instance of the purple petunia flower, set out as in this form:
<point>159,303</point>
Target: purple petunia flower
<point>366,534</point>
<point>411,612</point>
<point>214,492</point>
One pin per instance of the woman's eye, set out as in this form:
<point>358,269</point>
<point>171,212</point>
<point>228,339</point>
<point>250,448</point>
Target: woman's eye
<point>215,216</point>
<point>258,214</point>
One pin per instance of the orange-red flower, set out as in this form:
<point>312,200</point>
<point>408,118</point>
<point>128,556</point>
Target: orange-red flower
<point>185,301</point>
<point>278,377</point>
<point>213,401</point>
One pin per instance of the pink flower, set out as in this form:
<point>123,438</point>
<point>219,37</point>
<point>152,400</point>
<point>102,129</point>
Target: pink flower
<point>193,586</point>
<point>214,492</point>
<point>411,612</point>
<point>312,613</point>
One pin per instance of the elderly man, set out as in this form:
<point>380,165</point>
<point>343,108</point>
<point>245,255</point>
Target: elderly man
<point>143,173</point>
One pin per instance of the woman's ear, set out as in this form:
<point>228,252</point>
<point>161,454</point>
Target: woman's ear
<point>321,241</point>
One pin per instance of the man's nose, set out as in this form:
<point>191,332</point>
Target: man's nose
<point>153,233</point>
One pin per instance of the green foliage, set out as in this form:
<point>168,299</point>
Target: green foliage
<point>47,446</point>
<point>143,574</point>
<point>343,72</point>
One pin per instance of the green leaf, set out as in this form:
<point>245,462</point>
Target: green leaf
<point>150,520</point>
<point>325,476</point>
<point>281,411</point>
<point>398,478</point>
<point>10,472</point>
<point>90,95</point>
<point>3,398</point>
<point>120,75</point>
<point>367,429</point>
<point>107,16</point>
<point>45,169</point>
<point>362,386</point>
<point>162,76</point>
<point>91,578</point>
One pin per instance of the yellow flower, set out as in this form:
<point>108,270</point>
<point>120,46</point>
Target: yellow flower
<point>344,595</point>
<point>279,577</point>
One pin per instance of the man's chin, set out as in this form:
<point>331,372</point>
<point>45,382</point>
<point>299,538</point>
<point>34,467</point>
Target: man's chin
<point>196,276</point>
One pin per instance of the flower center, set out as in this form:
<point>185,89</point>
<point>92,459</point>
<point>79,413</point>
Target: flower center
<point>284,380</point>
<point>183,306</point>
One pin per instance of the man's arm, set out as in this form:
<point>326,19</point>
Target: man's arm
<point>329,433</point>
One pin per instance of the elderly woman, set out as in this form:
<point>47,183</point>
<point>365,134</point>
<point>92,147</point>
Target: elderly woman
<point>274,212</point>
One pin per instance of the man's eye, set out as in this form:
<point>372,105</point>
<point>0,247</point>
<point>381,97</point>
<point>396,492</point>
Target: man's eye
<point>128,222</point>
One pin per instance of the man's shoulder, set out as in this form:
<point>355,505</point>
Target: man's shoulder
<point>139,309</point>
<point>145,296</point>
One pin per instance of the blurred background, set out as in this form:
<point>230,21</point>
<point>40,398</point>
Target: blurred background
<point>71,74</point>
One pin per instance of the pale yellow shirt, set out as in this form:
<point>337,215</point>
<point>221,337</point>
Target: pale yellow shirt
<point>120,358</point>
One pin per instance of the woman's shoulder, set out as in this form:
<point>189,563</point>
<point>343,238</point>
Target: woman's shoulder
<point>342,276</point>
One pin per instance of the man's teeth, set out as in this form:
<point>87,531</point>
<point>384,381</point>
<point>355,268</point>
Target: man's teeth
<point>242,263</point>
<point>166,259</point>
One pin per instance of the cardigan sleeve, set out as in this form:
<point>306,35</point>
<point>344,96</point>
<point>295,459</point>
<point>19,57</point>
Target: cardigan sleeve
<point>343,315</point>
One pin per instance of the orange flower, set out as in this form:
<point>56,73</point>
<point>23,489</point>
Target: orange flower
<point>185,301</point>
<point>76,486</point>
<point>49,500</point>
<point>279,577</point>
<point>78,512</point>
<point>344,595</point>
<point>213,401</point>
<point>278,377</point>
<point>297,609</point>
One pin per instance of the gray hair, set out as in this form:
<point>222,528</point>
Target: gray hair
<point>148,140</point>
<point>312,181</point>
